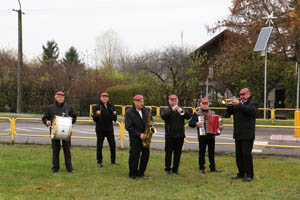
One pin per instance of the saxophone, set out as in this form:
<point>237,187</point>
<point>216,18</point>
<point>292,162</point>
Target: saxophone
<point>149,131</point>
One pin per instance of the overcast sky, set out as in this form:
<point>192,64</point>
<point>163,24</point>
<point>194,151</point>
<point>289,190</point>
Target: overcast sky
<point>141,24</point>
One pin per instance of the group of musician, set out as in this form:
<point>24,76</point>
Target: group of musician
<point>137,120</point>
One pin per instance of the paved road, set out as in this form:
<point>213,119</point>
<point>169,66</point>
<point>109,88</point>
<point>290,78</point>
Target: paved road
<point>88,130</point>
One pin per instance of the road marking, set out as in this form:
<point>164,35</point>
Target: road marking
<point>262,143</point>
<point>84,132</point>
<point>257,150</point>
<point>28,129</point>
<point>39,129</point>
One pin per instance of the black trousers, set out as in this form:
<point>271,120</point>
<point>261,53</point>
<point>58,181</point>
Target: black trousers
<point>56,144</point>
<point>173,146</point>
<point>112,145</point>
<point>138,157</point>
<point>207,141</point>
<point>244,161</point>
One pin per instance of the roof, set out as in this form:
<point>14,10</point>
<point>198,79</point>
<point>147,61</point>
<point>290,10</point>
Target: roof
<point>212,42</point>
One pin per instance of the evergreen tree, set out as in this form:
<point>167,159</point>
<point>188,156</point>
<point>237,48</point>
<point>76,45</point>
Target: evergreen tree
<point>72,64</point>
<point>50,52</point>
<point>71,56</point>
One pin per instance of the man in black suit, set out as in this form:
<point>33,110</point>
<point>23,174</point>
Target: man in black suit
<point>59,108</point>
<point>244,116</point>
<point>174,117</point>
<point>205,140</point>
<point>104,114</point>
<point>135,122</point>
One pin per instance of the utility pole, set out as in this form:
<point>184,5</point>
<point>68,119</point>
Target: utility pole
<point>298,76</point>
<point>181,37</point>
<point>20,59</point>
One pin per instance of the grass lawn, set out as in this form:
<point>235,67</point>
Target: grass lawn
<point>25,174</point>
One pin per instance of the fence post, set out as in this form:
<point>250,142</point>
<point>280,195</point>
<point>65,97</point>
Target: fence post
<point>123,110</point>
<point>194,109</point>
<point>297,123</point>
<point>122,134</point>
<point>12,129</point>
<point>273,115</point>
<point>157,111</point>
<point>91,110</point>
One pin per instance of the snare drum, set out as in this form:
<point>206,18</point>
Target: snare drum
<point>61,128</point>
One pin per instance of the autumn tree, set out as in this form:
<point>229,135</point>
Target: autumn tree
<point>238,66</point>
<point>175,68</point>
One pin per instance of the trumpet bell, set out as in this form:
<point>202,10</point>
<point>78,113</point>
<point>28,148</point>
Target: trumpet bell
<point>180,111</point>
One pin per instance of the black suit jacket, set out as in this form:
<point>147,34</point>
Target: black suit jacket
<point>174,123</point>
<point>104,121</point>
<point>134,124</point>
<point>244,118</point>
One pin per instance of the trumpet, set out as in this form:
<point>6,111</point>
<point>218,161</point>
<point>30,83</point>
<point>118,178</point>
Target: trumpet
<point>228,101</point>
<point>180,110</point>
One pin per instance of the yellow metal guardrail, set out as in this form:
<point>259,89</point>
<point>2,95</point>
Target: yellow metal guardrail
<point>193,109</point>
<point>122,136</point>
<point>11,128</point>
<point>14,133</point>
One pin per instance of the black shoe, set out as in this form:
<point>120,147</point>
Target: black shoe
<point>176,172</point>
<point>115,163</point>
<point>202,171</point>
<point>100,164</point>
<point>143,176</point>
<point>168,172</point>
<point>247,179</point>
<point>71,170</point>
<point>54,170</point>
<point>237,177</point>
<point>132,177</point>
<point>215,170</point>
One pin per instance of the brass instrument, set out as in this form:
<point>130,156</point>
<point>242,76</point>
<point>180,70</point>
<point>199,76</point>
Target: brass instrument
<point>180,110</point>
<point>149,131</point>
<point>228,101</point>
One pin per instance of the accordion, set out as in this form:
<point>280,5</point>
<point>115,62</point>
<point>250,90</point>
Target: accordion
<point>211,125</point>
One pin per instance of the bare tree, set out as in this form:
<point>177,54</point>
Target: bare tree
<point>110,50</point>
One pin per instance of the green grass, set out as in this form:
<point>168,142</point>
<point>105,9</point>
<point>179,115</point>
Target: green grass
<point>25,174</point>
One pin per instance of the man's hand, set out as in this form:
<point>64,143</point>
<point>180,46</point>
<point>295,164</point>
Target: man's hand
<point>98,112</point>
<point>235,102</point>
<point>221,127</point>
<point>151,123</point>
<point>48,123</point>
<point>143,136</point>
<point>198,124</point>
<point>175,107</point>
<point>115,112</point>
